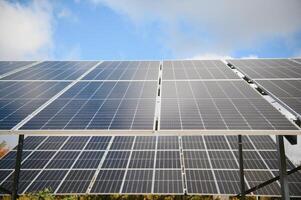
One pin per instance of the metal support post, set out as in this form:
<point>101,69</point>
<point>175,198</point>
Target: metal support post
<point>282,168</point>
<point>241,168</point>
<point>17,168</point>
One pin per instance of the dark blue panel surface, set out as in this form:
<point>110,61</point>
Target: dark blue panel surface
<point>100,105</point>
<point>125,70</point>
<point>8,66</point>
<point>54,70</point>
<point>19,99</point>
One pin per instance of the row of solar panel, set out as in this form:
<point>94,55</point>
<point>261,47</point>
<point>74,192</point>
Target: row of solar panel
<point>71,70</point>
<point>149,181</point>
<point>105,165</point>
<point>186,105</point>
<point>148,70</point>
<point>280,78</point>
<point>231,105</point>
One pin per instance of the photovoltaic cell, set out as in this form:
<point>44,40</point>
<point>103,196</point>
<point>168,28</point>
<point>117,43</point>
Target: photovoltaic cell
<point>196,69</point>
<point>193,142</point>
<point>53,143</point>
<point>168,181</point>
<point>37,160</point>
<point>98,143</point>
<point>125,70</point>
<point>116,159</point>
<point>138,181</point>
<point>49,179</point>
<point>76,142</point>
<point>168,159</point>
<point>100,105</point>
<point>216,142</point>
<point>19,99</point>
<point>142,159</point>
<point>8,66</point>
<point>63,160</point>
<point>228,181</point>
<point>168,142</point>
<point>196,159</point>
<point>288,91</point>
<point>222,160</point>
<point>268,68</point>
<point>53,70</point>
<point>200,182</point>
<point>89,160</point>
<point>120,142</point>
<point>108,181</point>
<point>145,142</point>
<point>213,105</point>
<point>77,181</point>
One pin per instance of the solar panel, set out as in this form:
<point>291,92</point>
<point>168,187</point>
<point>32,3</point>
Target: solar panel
<point>217,105</point>
<point>138,181</point>
<point>125,70</point>
<point>53,70</point>
<point>108,181</point>
<point>9,66</point>
<point>100,106</point>
<point>77,181</point>
<point>26,177</point>
<point>228,181</point>
<point>110,170</point>
<point>168,181</point>
<point>49,179</point>
<point>268,68</point>
<point>200,182</point>
<point>287,91</point>
<point>256,177</point>
<point>20,99</point>
<point>196,69</point>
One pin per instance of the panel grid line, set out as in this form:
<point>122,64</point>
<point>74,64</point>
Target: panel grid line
<point>19,125</point>
<point>52,157</point>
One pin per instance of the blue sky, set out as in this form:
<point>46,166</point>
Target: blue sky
<point>141,29</point>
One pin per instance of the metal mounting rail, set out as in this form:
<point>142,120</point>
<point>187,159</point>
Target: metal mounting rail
<point>276,178</point>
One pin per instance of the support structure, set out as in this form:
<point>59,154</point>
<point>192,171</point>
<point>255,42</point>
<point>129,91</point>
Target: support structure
<point>276,178</point>
<point>17,168</point>
<point>282,168</point>
<point>241,168</point>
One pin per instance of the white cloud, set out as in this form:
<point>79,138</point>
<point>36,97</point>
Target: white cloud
<point>66,13</point>
<point>218,26</point>
<point>26,30</point>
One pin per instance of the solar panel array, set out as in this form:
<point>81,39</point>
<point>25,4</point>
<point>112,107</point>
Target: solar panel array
<point>134,97</point>
<point>217,105</point>
<point>268,68</point>
<point>281,78</point>
<point>145,164</point>
<point>123,95</point>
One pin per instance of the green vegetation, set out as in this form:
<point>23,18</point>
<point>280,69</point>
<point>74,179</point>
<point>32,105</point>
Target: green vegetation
<point>47,195</point>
